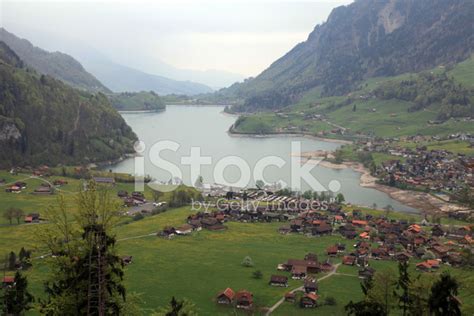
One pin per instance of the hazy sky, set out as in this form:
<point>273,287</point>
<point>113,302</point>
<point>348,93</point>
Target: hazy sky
<point>242,37</point>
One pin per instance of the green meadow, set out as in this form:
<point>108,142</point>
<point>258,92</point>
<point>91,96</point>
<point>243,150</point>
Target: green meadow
<point>198,266</point>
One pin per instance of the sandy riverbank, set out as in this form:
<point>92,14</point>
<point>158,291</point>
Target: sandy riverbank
<point>418,200</point>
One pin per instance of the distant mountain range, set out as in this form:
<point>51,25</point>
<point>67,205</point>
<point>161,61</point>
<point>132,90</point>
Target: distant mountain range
<point>368,38</point>
<point>121,78</point>
<point>58,65</point>
<point>45,121</point>
<point>99,74</point>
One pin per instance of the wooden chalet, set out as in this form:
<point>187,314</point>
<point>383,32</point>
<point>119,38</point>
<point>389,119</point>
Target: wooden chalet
<point>225,297</point>
<point>244,299</point>
<point>299,272</point>
<point>290,297</point>
<point>185,229</point>
<point>310,285</point>
<point>278,280</point>
<point>309,300</point>
<point>349,260</point>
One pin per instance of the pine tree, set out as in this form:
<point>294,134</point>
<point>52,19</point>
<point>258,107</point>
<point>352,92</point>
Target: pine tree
<point>443,300</point>
<point>12,261</point>
<point>88,273</point>
<point>15,298</point>
<point>402,291</point>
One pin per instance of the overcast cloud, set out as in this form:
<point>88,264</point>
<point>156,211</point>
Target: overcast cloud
<point>242,37</point>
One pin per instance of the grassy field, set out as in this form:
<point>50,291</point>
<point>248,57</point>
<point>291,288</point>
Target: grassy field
<point>197,267</point>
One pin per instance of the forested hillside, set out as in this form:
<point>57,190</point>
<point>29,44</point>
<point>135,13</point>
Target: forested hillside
<point>368,38</point>
<point>137,101</point>
<point>44,121</point>
<point>56,64</point>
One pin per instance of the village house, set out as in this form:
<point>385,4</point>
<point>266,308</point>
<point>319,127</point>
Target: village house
<point>298,272</point>
<point>349,260</point>
<point>290,297</point>
<point>322,229</point>
<point>167,232</point>
<point>43,190</point>
<point>428,265</point>
<point>310,285</point>
<point>8,281</point>
<point>211,223</point>
<point>226,297</point>
<point>244,299</point>
<point>311,266</point>
<point>13,189</point>
<point>60,182</point>
<point>332,251</point>
<point>327,266</point>
<point>278,280</point>
<point>185,229</point>
<point>32,218</point>
<point>309,300</point>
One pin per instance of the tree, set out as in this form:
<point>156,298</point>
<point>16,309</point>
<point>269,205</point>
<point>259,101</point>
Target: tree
<point>382,290</point>
<point>260,184</point>
<point>388,208</point>
<point>12,261</point>
<point>24,257</point>
<point>307,195</point>
<point>366,307</point>
<point>18,214</point>
<point>16,299</point>
<point>9,214</point>
<point>199,182</point>
<point>402,291</point>
<point>87,271</point>
<point>247,262</point>
<point>443,300</point>
<point>340,198</point>
<point>257,274</point>
<point>178,308</point>
<point>420,292</point>
<point>338,156</point>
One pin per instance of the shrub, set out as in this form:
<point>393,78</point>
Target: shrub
<point>138,217</point>
<point>331,301</point>
<point>257,274</point>
<point>247,262</point>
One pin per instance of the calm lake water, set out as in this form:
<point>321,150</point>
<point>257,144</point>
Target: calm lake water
<point>206,127</point>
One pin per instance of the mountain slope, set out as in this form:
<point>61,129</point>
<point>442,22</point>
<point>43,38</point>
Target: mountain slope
<point>437,102</point>
<point>58,65</point>
<point>367,38</point>
<point>120,78</point>
<point>44,121</point>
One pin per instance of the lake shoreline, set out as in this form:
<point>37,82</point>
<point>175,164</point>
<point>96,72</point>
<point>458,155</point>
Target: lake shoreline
<point>421,201</point>
<point>140,111</point>
<point>233,133</point>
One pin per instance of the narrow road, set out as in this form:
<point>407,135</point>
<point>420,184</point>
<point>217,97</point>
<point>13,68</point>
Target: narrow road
<point>301,288</point>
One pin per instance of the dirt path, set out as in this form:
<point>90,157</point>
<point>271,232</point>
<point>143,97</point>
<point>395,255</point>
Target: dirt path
<point>277,304</point>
